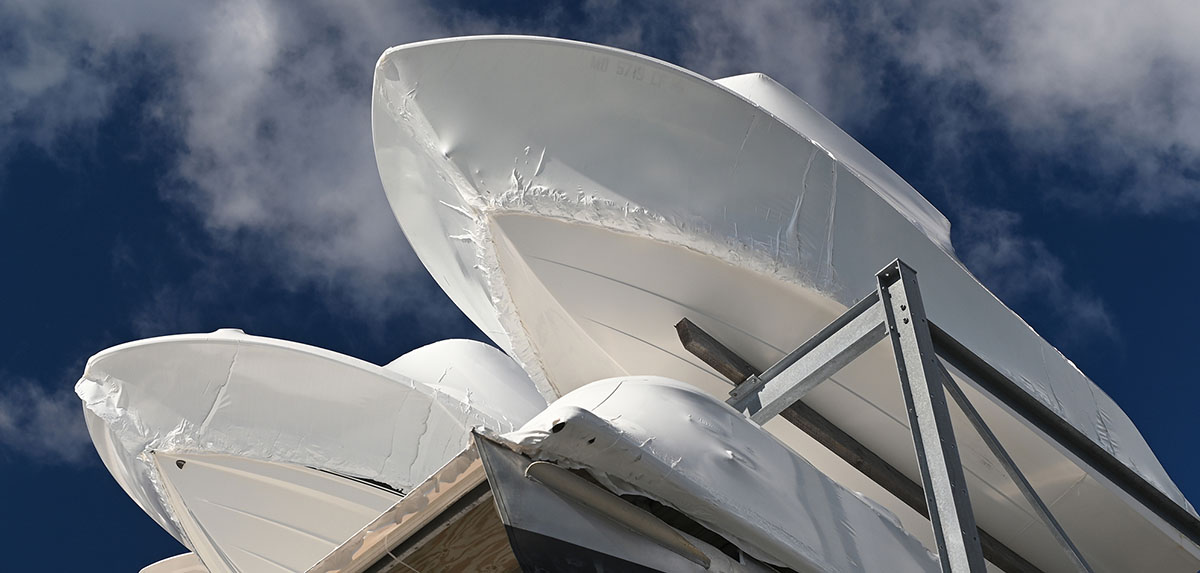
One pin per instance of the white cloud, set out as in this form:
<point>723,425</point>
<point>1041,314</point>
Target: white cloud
<point>1020,269</point>
<point>1113,87</point>
<point>46,426</point>
<point>270,99</point>
<point>50,81</point>
<point>1116,84</point>
<point>270,102</point>
<point>803,45</point>
<point>274,111</point>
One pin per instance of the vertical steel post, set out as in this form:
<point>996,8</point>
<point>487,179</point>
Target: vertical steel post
<point>929,418</point>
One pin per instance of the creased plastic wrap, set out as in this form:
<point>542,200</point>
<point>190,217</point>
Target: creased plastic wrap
<point>277,401</point>
<point>669,441</point>
<point>424,504</point>
<point>575,201</point>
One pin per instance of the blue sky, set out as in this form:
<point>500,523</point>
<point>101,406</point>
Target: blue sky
<point>172,167</point>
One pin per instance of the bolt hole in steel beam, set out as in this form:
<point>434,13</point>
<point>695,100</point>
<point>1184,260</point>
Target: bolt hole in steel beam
<point>779,389</point>
<point>802,375</point>
<point>942,474</point>
<point>873,466</point>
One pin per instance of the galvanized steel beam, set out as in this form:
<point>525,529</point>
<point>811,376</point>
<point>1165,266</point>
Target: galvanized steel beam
<point>896,309</point>
<point>929,419</point>
<point>1014,473</point>
<point>829,435</point>
<point>1083,448</point>
<point>782,385</point>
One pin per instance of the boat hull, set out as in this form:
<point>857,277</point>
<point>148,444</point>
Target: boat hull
<point>261,454</point>
<point>577,201</point>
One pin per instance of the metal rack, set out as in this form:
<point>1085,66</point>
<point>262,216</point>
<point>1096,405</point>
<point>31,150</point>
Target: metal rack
<point>895,310</point>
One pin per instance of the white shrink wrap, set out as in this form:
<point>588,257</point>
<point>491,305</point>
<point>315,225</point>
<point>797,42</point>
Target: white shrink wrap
<point>669,441</point>
<point>576,201</point>
<point>244,447</point>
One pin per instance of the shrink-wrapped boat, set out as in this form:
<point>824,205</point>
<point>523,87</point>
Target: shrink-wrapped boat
<point>261,454</point>
<point>576,201</point>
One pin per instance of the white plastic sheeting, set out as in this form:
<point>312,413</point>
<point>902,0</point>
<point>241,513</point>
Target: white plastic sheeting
<point>575,201</point>
<point>425,503</point>
<point>249,516</point>
<point>186,563</point>
<point>465,370</point>
<point>267,400</point>
<point>849,154</point>
<point>671,442</point>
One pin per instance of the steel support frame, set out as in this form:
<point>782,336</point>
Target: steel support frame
<point>942,475</point>
<point>895,310</point>
<point>1014,473</point>
<point>850,450</point>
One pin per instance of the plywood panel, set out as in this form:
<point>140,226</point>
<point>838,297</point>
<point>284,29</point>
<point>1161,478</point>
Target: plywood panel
<point>476,542</point>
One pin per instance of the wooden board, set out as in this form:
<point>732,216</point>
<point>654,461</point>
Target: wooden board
<point>475,542</point>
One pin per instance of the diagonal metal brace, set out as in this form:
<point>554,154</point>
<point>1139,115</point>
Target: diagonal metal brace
<point>942,474</point>
<point>763,397</point>
<point>894,309</point>
<point>1014,473</point>
<point>826,433</point>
